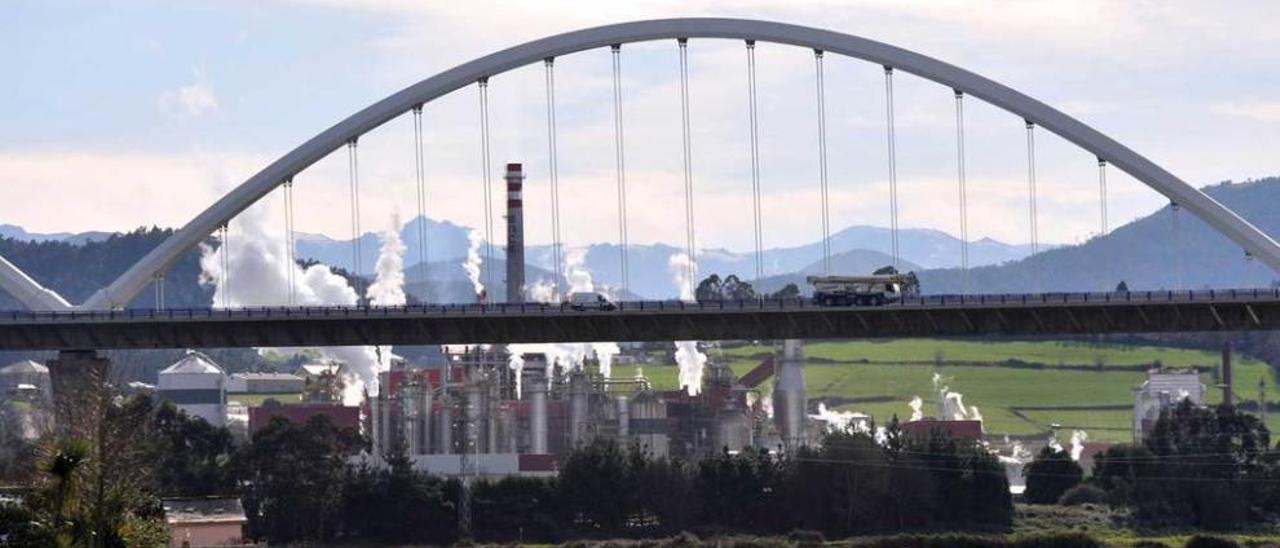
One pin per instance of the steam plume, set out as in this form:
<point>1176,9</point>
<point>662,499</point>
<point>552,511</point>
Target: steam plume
<point>691,361</point>
<point>473,262</point>
<point>258,275</point>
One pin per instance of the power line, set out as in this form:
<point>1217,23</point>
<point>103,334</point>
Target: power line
<point>289,252</point>
<point>1103,218</point>
<point>1176,221</point>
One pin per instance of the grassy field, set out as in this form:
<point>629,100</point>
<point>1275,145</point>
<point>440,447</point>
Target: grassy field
<point>903,369</point>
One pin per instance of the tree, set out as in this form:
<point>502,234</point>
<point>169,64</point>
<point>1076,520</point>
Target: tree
<point>292,478</point>
<point>192,457</point>
<point>790,291</point>
<point>1050,475</point>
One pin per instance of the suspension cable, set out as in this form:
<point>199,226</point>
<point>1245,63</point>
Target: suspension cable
<point>621,165</point>
<point>157,280</point>
<point>353,164</point>
<point>553,165</point>
<point>1248,269</point>
<point>964,194</point>
<point>1176,221</point>
<point>893,163</point>
<point>1103,220</point>
<point>1031,204</point>
<point>488,190</point>
<point>225,236</point>
<point>691,248</point>
<point>755,158</point>
<point>822,162</point>
<point>421,180</point>
<point>289,252</point>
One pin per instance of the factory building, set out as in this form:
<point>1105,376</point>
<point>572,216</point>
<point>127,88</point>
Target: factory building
<point>474,419</point>
<point>1163,389</point>
<point>264,383</point>
<point>197,386</point>
<point>26,380</point>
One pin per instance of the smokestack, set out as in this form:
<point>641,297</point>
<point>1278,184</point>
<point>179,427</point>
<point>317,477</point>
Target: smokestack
<point>515,233</point>
<point>1226,374</point>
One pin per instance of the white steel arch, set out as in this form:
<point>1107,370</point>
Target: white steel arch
<point>129,284</point>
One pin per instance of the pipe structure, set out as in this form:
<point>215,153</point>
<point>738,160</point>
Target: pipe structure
<point>789,403</point>
<point>535,389</point>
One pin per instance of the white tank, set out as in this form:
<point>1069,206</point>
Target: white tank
<point>648,424</point>
<point>197,386</point>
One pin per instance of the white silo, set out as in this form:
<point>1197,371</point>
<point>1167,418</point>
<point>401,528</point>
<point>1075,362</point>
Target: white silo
<point>197,386</point>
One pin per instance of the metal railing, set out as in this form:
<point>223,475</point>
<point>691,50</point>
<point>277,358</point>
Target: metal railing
<point>543,309</point>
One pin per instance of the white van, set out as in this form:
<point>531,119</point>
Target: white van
<point>589,300</point>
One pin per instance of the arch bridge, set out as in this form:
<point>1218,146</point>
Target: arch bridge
<point>346,133</point>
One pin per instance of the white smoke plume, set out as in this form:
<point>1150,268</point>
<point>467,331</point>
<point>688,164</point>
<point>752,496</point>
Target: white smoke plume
<point>842,421</point>
<point>1013,463</point>
<point>473,262</point>
<point>692,362</point>
<point>258,271</point>
<point>917,408</point>
<point>1078,437</point>
<point>1053,443</point>
<point>569,356</point>
<point>388,288</point>
<point>951,404</point>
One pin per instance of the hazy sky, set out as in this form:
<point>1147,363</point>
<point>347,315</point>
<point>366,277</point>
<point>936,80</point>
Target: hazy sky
<point>119,114</point>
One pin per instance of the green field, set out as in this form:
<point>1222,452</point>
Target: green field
<point>1077,375</point>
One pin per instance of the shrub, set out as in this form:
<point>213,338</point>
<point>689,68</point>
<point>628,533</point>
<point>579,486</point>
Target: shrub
<point>1059,540</point>
<point>1206,541</point>
<point>807,538</point>
<point>1083,494</point>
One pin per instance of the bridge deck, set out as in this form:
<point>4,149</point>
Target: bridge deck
<point>930,316</point>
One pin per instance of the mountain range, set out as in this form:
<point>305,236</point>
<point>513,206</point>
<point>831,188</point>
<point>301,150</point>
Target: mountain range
<point>1149,253</point>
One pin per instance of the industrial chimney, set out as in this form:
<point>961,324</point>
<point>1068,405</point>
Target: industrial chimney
<point>515,233</point>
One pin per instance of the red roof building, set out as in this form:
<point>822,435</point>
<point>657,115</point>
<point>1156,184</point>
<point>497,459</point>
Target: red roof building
<point>340,415</point>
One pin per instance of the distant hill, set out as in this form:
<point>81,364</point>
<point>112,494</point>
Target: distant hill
<point>18,233</point>
<point>1142,253</point>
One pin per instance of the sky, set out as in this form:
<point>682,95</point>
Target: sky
<point>119,114</point>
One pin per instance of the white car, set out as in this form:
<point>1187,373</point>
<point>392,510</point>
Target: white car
<point>589,300</point>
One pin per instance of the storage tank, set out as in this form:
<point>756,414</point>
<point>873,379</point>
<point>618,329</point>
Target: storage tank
<point>197,386</point>
<point>26,373</point>
<point>788,395</point>
<point>649,425</point>
<point>534,383</point>
<point>624,417</point>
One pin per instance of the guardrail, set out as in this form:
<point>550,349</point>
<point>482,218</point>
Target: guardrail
<point>333,311</point>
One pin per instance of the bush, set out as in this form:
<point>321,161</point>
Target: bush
<point>1083,494</point>
<point>807,538</point>
<point>1206,541</point>
<point>1059,540</point>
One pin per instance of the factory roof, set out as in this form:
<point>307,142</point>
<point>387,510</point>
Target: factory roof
<point>194,362</point>
<point>24,366</point>
<point>315,369</point>
<point>204,510</point>
<point>265,376</point>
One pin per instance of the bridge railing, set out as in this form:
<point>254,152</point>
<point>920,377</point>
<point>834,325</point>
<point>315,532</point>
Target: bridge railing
<point>476,309</point>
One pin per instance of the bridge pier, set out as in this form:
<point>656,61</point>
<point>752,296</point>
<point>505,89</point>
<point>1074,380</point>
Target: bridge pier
<point>77,377</point>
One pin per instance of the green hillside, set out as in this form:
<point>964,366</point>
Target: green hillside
<point>1021,388</point>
